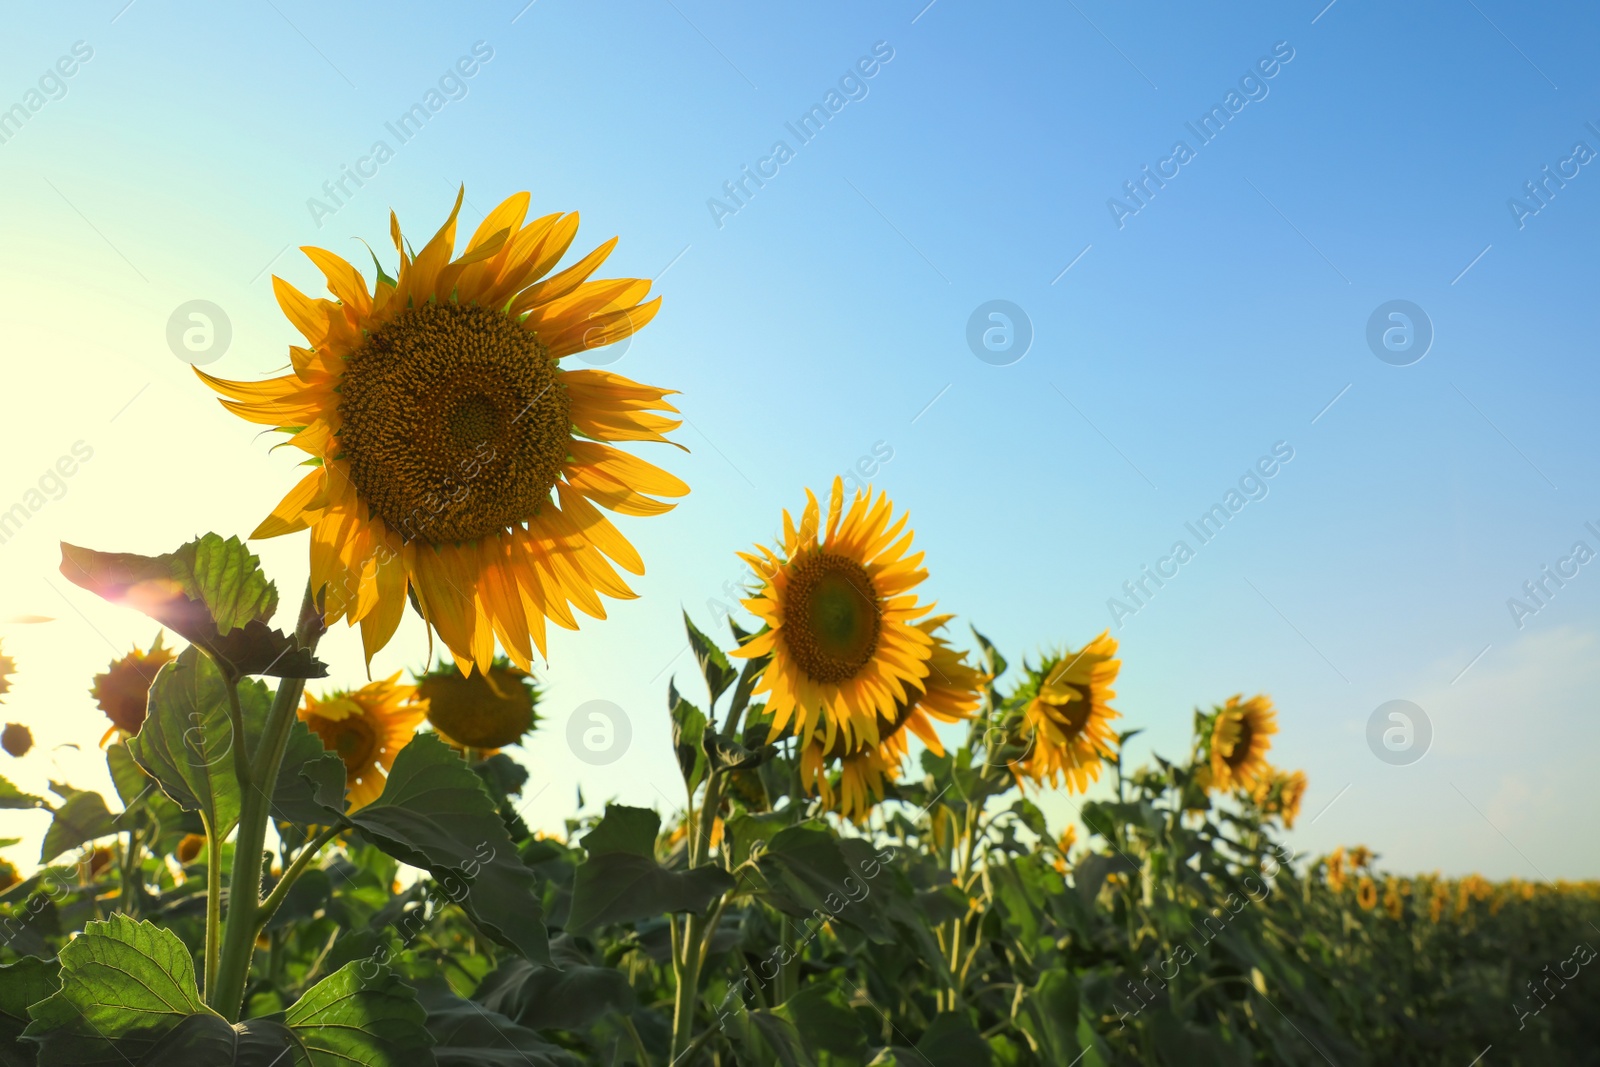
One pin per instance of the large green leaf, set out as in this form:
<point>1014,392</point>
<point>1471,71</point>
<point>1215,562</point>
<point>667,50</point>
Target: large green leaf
<point>23,983</point>
<point>186,742</point>
<point>825,1022</point>
<point>688,727</point>
<point>568,998</point>
<point>435,813</point>
<point>80,818</point>
<point>622,882</point>
<point>210,590</point>
<point>12,797</point>
<point>128,997</point>
<point>807,874</point>
<point>1050,1014</point>
<point>719,673</point>
<point>467,1034</point>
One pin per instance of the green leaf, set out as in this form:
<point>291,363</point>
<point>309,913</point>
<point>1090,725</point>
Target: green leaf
<point>82,817</point>
<point>1050,1015</point>
<point>688,727</point>
<point>467,1034</point>
<point>996,663</point>
<point>306,765</point>
<point>436,813</point>
<point>360,1014</point>
<point>764,1037</point>
<point>622,882</point>
<point>210,590</point>
<point>714,665</point>
<point>825,1021</point>
<point>807,873</point>
<point>23,983</point>
<point>186,742</point>
<point>542,998</point>
<point>12,797</point>
<point>1090,872</point>
<point>950,1041</point>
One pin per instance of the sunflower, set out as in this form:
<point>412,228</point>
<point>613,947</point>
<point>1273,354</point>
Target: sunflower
<point>950,693</point>
<point>8,667</point>
<point>482,710</point>
<point>1067,720</point>
<point>841,620</point>
<point>1392,902</point>
<point>440,423</point>
<point>367,728</point>
<point>1280,794</point>
<point>123,690</point>
<point>1069,838</point>
<point>1367,893</point>
<point>16,739</point>
<point>1240,737</point>
<point>1336,870</point>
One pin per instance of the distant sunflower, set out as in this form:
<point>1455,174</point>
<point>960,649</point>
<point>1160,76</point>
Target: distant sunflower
<point>1240,737</point>
<point>1336,870</point>
<point>1064,844</point>
<point>8,667</point>
<point>1392,901</point>
<point>123,690</point>
<point>951,694</point>
<point>454,457</point>
<point>1067,721</point>
<point>479,710</point>
<point>1367,893</point>
<point>840,620</point>
<point>367,728</point>
<point>1281,794</point>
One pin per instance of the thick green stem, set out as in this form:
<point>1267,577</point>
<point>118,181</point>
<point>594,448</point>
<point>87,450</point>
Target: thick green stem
<point>244,888</point>
<point>213,905</point>
<point>686,961</point>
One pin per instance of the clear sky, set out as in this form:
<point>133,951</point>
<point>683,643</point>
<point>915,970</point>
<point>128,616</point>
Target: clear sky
<point>1368,153</point>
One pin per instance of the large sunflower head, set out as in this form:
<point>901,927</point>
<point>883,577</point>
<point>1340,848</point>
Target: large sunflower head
<point>1066,721</point>
<point>1241,734</point>
<point>841,620</point>
<point>123,690</point>
<point>455,458</point>
<point>367,728</point>
<point>480,709</point>
<point>950,693</point>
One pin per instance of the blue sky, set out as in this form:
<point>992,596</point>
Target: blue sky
<point>826,319</point>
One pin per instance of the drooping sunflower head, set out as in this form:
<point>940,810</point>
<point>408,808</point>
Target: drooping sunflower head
<point>456,460</point>
<point>950,693</point>
<point>1280,793</point>
<point>841,619</point>
<point>123,690</point>
<point>482,709</point>
<point>367,728</point>
<point>1241,734</point>
<point>16,739</point>
<point>1066,718</point>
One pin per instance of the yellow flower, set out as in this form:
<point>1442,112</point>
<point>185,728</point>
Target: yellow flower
<point>1336,864</point>
<point>440,424</point>
<point>1281,795</point>
<point>1392,902</point>
<point>840,620</point>
<point>1064,843</point>
<point>1367,893</point>
<point>8,667</point>
<point>1361,857</point>
<point>1067,722</point>
<point>479,710</point>
<point>367,728</point>
<point>1240,738</point>
<point>123,690</point>
<point>950,694</point>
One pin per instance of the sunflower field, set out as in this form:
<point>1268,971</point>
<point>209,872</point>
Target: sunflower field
<point>295,875</point>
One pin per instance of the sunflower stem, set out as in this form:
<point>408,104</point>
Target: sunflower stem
<point>291,875</point>
<point>686,961</point>
<point>226,996</point>
<point>213,905</point>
